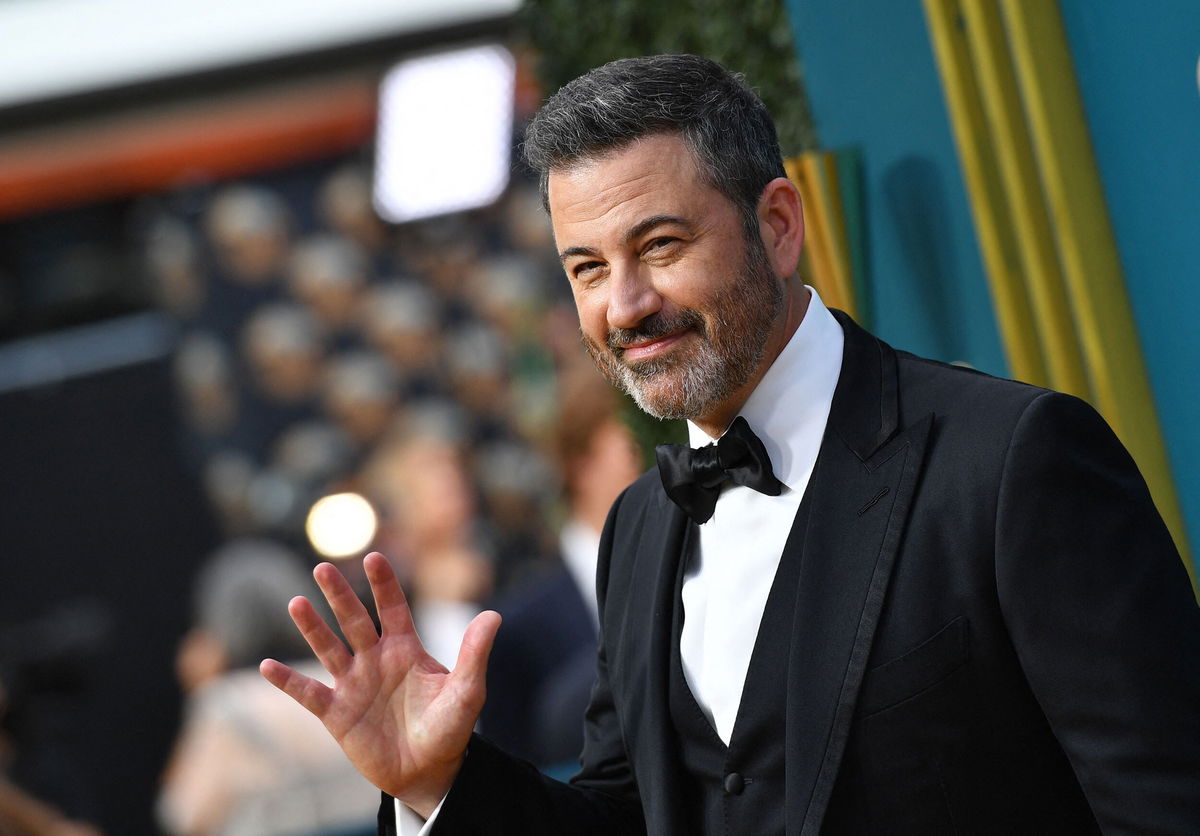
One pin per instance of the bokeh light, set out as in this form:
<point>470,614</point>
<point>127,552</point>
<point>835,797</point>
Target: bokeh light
<point>341,525</point>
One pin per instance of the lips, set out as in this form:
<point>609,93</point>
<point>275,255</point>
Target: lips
<point>654,337</point>
<point>649,349</point>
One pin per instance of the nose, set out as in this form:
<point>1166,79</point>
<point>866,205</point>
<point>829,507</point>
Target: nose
<point>632,296</point>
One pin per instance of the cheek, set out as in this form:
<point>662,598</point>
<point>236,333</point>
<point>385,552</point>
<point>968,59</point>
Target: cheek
<point>593,319</point>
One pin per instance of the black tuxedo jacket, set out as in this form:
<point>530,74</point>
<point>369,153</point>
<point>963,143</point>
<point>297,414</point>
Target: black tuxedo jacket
<point>993,634</point>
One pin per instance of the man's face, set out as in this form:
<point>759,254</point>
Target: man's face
<point>675,307</point>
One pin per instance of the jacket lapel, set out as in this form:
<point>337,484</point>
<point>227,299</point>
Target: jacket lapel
<point>646,646</point>
<point>861,492</point>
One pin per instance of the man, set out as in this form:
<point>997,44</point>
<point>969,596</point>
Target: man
<point>946,603</point>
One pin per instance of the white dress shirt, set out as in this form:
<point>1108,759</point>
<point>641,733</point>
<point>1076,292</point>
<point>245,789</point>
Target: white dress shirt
<point>725,587</point>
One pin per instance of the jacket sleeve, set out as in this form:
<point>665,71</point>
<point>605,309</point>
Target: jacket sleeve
<point>1103,617</point>
<point>496,794</point>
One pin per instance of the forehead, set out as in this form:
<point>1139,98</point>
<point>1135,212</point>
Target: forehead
<point>656,175</point>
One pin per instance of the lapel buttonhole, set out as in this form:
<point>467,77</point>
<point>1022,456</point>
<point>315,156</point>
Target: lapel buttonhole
<point>882,493</point>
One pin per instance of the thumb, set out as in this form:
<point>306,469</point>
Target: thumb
<point>471,666</point>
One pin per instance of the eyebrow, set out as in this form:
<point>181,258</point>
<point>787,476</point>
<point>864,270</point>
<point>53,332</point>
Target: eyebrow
<point>636,231</point>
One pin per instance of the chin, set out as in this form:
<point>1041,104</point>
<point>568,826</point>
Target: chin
<point>685,394</point>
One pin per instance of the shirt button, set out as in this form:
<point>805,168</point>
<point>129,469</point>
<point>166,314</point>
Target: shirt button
<point>734,783</point>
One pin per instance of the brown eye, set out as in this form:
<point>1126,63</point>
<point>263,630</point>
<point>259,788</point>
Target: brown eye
<point>660,247</point>
<point>583,270</point>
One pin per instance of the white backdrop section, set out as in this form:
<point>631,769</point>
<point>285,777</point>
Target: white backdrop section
<point>53,48</point>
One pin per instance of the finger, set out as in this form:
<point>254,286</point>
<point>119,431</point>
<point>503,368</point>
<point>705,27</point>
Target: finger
<point>305,690</point>
<point>352,616</point>
<point>395,616</point>
<point>470,669</point>
<point>325,644</point>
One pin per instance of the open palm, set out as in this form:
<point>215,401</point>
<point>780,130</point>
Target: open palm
<point>402,718</point>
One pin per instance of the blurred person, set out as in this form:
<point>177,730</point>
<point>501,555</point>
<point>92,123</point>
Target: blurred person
<point>442,253</point>
<point>282,347</point>
<point>282,352</point>
<point>543,663</point>
<point>310,459</point>
<point>360,394</point>
<point>517,487</point>
<point>528,227</point>
<point>226,477</point>
<point>249,234</point>
<point>246,762</point>
<point>249,228</point>
<point>313,452</point>
<point>429,522</point>
<point>328,274</point>
<point>439,417</point>
<point>205,379</point>
<point>172,256</point>
<point>477,364</point>
<point>277,503</point>
<point>528,232</point>
<point>512,298</point>
<point>344,205</point>
<point>401,320</point>
<point>508,294</point>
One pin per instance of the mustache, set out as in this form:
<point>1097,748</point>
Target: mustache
<point>653,327</point>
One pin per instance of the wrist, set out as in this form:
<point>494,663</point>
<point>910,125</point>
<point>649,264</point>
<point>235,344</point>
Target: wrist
<point>427,797</point>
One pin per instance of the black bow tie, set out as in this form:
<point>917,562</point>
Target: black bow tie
<point>693,477</point>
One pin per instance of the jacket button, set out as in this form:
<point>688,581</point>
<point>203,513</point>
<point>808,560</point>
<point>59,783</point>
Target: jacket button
<point>734,783</point>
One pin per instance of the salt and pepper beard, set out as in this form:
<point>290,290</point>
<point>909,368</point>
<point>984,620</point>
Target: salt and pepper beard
<point>733,327</point>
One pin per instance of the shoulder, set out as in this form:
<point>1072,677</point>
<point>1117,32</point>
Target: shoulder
<point>986,428</point>
<point>946,387</point>
<point>982,410</point>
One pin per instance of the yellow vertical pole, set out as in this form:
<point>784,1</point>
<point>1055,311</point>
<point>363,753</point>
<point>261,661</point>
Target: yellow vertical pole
<point>989,205</point>
<point>1091,265</point>
<point>1040,269</point>
<point>825,241</point>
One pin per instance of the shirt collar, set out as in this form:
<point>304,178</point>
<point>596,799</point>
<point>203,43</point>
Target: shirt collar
<point>790,406</point>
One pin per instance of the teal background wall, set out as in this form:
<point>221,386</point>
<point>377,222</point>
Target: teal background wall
<point>873,83</point>
<point>1137,73</point>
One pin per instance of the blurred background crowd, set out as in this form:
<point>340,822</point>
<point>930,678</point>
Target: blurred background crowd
<point>220,364</point>
<point>432,369</point>
<point>319,353</point>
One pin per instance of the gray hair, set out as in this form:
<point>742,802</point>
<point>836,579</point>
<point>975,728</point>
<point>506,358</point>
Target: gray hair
<point>242,594</point>
<point>723,122</point>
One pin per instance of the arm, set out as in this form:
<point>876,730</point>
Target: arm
<point>1103,618</point>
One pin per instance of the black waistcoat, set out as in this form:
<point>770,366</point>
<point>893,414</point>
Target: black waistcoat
<point>739,788</point>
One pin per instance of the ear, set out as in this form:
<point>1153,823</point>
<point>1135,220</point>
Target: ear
<point>781,224</point>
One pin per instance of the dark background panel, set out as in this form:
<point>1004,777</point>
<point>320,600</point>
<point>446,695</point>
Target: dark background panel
<point>103,528</point>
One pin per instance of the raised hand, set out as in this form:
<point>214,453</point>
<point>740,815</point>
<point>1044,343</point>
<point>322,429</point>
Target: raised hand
<point>402,718</point>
